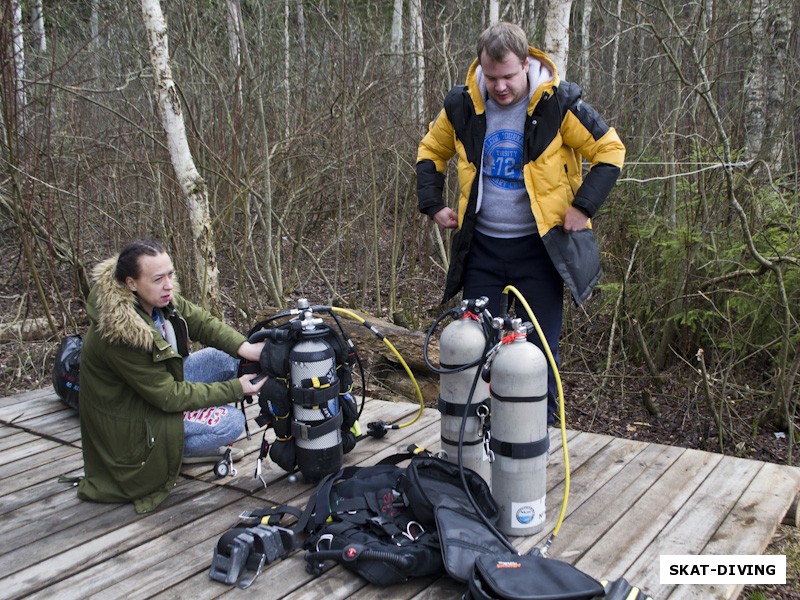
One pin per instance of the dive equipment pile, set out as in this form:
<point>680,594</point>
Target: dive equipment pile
<point>438,515</point>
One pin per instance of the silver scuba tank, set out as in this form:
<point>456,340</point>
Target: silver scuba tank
<point>519,441</point>
<point>461,343</point>
<point>316,414</point>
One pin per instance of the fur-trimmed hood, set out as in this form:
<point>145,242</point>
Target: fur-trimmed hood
<point>115,310</point>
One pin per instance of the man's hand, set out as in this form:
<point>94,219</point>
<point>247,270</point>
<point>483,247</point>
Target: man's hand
<point>575,220</point>
<point>446,218</point>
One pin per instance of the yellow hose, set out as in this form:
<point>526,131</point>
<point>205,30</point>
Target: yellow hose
<point>562,417</point>
<point>391,347</point>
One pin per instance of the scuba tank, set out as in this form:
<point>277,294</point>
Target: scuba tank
<point>519,440</point>
<point>314,391</point>
<point>306,399</point>
<point>463,343</point>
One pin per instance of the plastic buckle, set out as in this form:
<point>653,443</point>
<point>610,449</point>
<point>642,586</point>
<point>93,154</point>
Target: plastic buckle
<point>227,569</point>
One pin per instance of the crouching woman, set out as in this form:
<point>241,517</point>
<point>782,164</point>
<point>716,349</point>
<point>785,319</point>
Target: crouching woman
<point>142,392</point>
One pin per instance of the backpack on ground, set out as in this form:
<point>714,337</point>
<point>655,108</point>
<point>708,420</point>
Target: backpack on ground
<point>66,370</point>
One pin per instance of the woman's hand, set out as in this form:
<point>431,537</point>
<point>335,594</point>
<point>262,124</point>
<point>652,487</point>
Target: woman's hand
<point>248,387</point>
<point>250,351</point>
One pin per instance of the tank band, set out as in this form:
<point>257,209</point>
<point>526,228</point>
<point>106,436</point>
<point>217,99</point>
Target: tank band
<point>455,409</point>
<point>520,450</point>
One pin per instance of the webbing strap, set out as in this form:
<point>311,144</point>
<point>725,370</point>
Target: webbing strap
<point>519,398</point>
<point>518,449</point>
<point>465,443</point>
<point>312,431</point>
<point>456,409</point>
<point>311,397</point>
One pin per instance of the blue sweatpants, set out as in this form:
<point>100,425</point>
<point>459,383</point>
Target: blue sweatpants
<point>494,263</point>
<point>206,429</point>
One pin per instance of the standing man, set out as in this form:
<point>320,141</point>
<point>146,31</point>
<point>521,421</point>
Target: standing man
<point>524,207</point>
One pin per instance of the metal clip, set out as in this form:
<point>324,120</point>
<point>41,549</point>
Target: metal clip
<point>258,473</point>
<point>486,449</point>
<point>325,537</point>
<point>481,412</point>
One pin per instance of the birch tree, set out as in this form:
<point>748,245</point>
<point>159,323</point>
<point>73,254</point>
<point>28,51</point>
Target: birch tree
<point>234,22</point>
<point>396,45</point>
<point>494,11</point>
<point>556,35</point>
<point>586,21</point>
<point>18,45</point>
<point>779,29</point>
<point>192,184</point>
<point>94,26</point>
<point>37,25</point>
<point>754,93</point>
<point>415,16</point>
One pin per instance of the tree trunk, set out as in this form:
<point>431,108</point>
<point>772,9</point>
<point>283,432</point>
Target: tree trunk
<point>615,52</point>
<point>192,184</point>
<point>37,25</point>
<point>776,63</point>
<point>494,11</point>
<point>415,15</point>
<point>234,21</point>
<point>585,44</point>
<point>396,46</point>
<point>19,66</point>
<point>753,93</point>
<point>556,35</point>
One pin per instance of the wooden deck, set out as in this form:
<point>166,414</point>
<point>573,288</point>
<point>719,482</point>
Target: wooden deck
<point>630,502</point>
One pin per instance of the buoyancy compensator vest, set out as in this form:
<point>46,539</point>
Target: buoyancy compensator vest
<point>307,398</point>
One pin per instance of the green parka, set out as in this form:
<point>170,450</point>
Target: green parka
<point>133,394</point>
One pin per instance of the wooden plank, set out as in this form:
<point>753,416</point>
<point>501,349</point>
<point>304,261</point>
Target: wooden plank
<point>149,567</point>
<point>18,437</point>
<point>622,543</point>
<point>48,517</point>
<point>30,455</point>
<point>693,521</point>
<point>291,572</point>
<point>32,447</point>
<point>629,503</point>
<point>47,561</point>
<point>61,425</point>
<point>7,430</point>
<point>603,490</point>
<point>25,397</point>
<point>34,404</point>
<point>749,526</point>
<point>16,490</point>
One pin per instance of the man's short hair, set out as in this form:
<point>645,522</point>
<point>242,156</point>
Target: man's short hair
<point>502,38</point>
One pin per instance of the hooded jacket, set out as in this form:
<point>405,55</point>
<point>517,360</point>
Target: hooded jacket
<point>133,394</point>
<point>560,130</point>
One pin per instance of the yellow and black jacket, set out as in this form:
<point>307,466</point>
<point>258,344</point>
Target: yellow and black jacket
<point>560,130</point>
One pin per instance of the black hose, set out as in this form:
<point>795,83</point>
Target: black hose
<point>461,434</point>
<point>440,370</point>
<point>347,341</point>
<point>401,561</point>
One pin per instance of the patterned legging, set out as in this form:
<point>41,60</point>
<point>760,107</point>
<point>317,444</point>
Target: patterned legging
<point>206,429</point>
